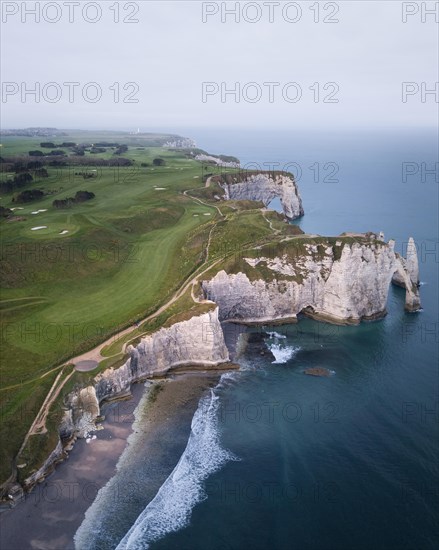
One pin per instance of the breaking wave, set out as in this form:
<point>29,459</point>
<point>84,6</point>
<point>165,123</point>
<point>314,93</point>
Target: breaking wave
<point>171,508</point>
<point>282,354</point>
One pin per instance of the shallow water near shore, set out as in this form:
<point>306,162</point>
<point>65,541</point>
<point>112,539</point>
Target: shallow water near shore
<point>344,461</point>
<point>55,508</point>
<point>276,458</point>
<point>161,429</point>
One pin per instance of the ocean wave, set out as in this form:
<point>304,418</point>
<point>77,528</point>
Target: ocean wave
<point>171,508</point>
<point>282,354</point>
<point>276,335</point>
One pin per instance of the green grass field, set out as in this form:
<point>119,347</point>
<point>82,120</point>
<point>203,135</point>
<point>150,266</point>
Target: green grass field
<point>94,268</point>
<point>91,270</point>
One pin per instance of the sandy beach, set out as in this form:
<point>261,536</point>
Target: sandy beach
<point>50,515</point>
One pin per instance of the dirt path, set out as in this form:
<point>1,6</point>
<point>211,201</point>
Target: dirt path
<point>95,353</point>
<point>39,424</point>
<point>176,296</point>
<point>275,231</point>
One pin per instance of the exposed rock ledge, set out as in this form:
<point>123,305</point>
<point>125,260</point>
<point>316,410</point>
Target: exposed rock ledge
<point>265,187</point>
<point>342,283</point>
<point>411,265</point>
<point>198,341</point>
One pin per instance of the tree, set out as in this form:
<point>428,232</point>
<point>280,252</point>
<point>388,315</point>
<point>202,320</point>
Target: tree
<point>82,196</point>
<point>36,154</point>
<point>42,173</point>
<point>22,179</point>
<point>121,149</point>
<point>158,162</point>
<point>34,165</point>
<point>5,212</point>
<point>28,195</point>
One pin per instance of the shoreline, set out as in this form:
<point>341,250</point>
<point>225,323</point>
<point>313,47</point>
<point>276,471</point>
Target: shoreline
<point>57,506</point>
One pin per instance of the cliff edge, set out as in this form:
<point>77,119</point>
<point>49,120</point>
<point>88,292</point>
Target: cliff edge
<point>264,187</point>
<point>341,280</point>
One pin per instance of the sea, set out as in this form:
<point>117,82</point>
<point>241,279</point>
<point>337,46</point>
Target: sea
<point>281,460</point>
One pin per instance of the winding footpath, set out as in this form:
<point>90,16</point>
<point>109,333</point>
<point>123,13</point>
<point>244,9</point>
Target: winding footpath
<point>89,360</point>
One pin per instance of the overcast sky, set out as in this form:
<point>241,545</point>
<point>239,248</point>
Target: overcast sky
<point>170,52</point>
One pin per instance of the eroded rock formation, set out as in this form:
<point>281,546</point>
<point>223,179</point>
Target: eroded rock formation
<point>411,266</point>
<point>198,341</point>
<point>265,187</point>
<point>342,281</point>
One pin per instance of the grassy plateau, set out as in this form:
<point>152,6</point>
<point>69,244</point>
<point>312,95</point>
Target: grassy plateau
<point>72,277</point>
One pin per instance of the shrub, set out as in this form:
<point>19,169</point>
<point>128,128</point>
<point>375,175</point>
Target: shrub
<point>5,212</point>
<point>28,195</point>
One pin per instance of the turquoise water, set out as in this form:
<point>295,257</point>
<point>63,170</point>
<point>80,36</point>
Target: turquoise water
<point>278,459</point>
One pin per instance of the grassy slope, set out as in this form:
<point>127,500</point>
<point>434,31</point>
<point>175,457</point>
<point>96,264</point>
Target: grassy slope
<point>126,251</point>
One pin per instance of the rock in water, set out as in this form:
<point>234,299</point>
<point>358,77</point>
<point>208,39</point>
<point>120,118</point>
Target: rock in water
<point>317,371</point>
<point>411,261</point>
<point>410,264</point>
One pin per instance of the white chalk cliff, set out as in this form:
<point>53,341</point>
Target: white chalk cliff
<point>198,341</point>
<point>265,187</point>
<point>411,265</point>
<point>342,282</point>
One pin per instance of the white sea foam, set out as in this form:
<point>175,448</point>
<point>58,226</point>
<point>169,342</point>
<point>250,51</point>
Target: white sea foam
<point>283,354</point>
<point>171,508</point>
<point>276,335</point>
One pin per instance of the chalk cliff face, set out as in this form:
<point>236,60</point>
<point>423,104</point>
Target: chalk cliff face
<point>411,265</point>
<point>344,283</point>
<point>197,341</point>
<point>265,187</point>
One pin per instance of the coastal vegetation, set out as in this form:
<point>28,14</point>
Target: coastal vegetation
<point>126,259</point>
<point>73,277</point>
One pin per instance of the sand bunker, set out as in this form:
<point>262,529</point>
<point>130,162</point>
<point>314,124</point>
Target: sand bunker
<point>38,211</point>
<point>38,227</point>
<point>159,188</point>
<point>207,214</point>
<point>86,365</point>
<point>64,232</point>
